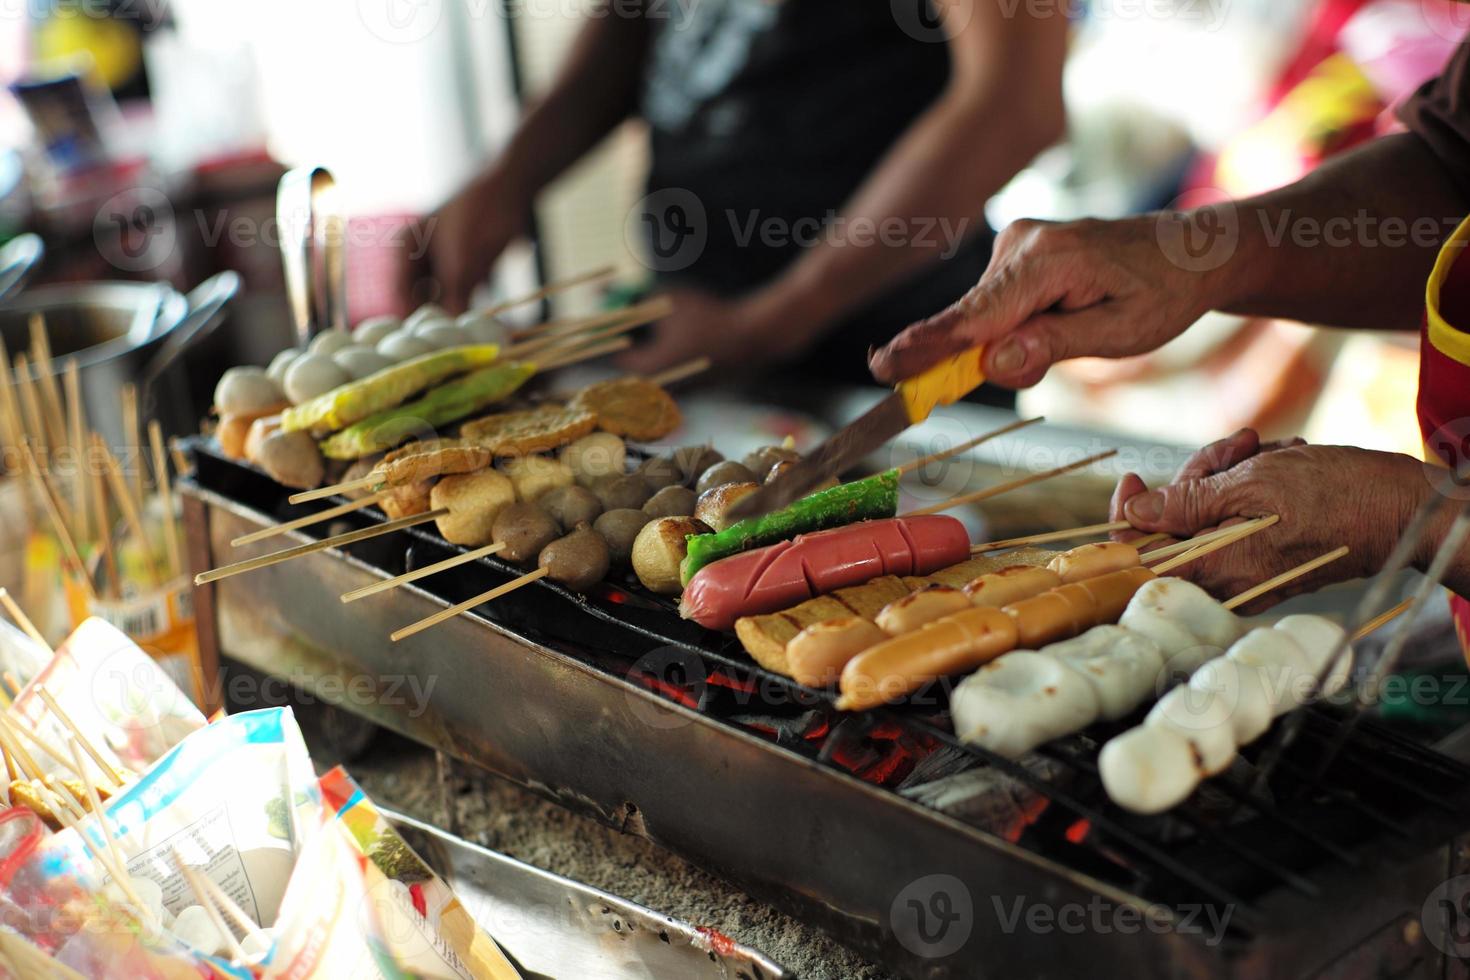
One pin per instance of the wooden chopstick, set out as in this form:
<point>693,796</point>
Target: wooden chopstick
<point>350,537</point>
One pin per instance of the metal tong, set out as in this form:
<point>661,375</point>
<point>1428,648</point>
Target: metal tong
<point>308,211</point>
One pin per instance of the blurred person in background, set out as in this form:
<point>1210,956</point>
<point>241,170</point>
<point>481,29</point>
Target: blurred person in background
<point>819,168</point>
<point>1351,245</point>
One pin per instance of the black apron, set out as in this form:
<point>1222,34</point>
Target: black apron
<point>765,117</point>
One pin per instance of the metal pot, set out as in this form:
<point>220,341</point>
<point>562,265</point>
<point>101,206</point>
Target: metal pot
<point>122,332</point>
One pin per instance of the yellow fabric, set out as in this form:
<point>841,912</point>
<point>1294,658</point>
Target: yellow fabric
<point>1448,340</point>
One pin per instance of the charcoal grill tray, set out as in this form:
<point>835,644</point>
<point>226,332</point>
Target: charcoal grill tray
<point>669,777</point>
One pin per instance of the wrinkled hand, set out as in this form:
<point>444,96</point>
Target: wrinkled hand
<point>1325,496</point>
<point>450,252</point>
<point>729,332</point>
<point>1056,291</point>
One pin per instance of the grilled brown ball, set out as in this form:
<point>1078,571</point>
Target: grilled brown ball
<point>619,528</point>
<point>579,561</point>
<point>622,492</point>
<point>722,473</point>
<point>524,528</point>
<point>694,460</point>
<point>570,506</point>
<point>671,502</point>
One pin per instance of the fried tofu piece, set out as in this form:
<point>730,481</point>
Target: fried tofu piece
<point>530,431</point>
<point>630,407</point>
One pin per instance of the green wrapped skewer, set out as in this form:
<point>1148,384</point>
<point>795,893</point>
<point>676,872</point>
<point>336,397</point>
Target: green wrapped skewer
<point>861,500</point>
<point>357,401</point>
<point>440,406</point>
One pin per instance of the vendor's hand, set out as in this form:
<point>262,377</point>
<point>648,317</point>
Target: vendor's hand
<point>1056,291</point>
<point>1325,496</point>
<point>451,251</point>
<point>1217,457</point>
<point>730,333</point>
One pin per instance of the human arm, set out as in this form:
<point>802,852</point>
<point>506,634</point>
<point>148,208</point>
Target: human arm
<point>1002,105</point>
<point>594,91</point>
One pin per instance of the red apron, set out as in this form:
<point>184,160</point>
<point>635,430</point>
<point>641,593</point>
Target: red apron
<point>1444,374</point>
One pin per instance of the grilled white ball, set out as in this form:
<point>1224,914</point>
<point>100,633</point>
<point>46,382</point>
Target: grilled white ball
<point>370,331</point>
<point>1148,769</point>
<point>1015,703</point>
<point>1122,666</point>
<point>1192,607</point>
<point>1203,717</point>
<point>1183,651</point>
<point>1318,638</point>
<point>1282,660</point>
<point>1245,689</point>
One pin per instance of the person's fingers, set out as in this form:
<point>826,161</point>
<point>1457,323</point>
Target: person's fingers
<point>1220,455</point>
<point>1182,508</point>
<point>663,348</point>
<point>1022,358</point>
<point>1292,443</point>
<point>1004,298</point>
<point>1129,487</point>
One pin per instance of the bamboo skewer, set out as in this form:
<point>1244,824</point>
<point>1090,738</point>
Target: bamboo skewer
<point>310,519</point>
<point>119,864</point>
<point>177,454</point>
<point>228,906</point>
<point>1289,575</point>
<point>614,325</point>
<point>45,376</point>
<point>193,879</point>
<point>164,488</point>
<point>104,531</point>
<point>25,959</point>
<point>32,419</point>
<point>76,419</point>
<point>944,454</point>
<point>550,289</point>
<point>1067,535</point>
<point>680,372</point>
<point>321,493</point>
<point>468,604</point>
<point>78,735</point>
<point>566,358</point>
<point>21,619</point>
<point>133,434</point>
<point>53,510</point>
<point>1016,484</point>
<point>131,511</point>
<point>340,540</point>
<point>10,412</point>
<point>1179,547</point>
<point>16,728</point>
<point>1147,539</point>
<point>1383,618</point>
<point>1238,532</point>
<point>425,572</point>
<point>24,761</point>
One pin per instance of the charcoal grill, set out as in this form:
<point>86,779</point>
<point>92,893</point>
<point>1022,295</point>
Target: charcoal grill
<point>614,707</point>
